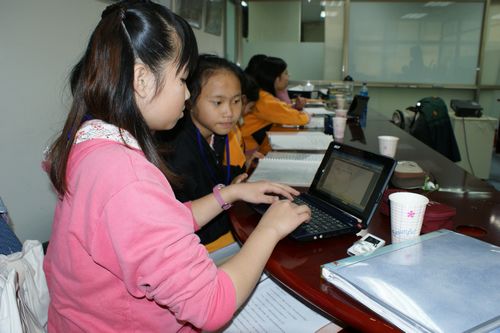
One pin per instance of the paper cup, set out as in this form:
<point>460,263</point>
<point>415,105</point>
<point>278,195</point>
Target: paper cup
<point>387,145</point>
<point>407,215</point>
<point>340,113</point>
<point>339,127</point>
<point>340,101</point>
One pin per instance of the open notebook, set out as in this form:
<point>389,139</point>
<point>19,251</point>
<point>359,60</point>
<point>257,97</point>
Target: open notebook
<point>303,140</point>
<point>345,192</point>
<point>291,168</point>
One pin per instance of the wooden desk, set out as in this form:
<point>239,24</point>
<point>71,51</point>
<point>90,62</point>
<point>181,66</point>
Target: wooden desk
<point>296,265</point>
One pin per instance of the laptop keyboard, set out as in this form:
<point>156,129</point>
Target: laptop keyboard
<point>320,222</point>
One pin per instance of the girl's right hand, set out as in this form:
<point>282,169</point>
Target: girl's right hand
<point>282,217</point>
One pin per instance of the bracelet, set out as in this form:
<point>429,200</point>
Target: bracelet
<point>216,190</point>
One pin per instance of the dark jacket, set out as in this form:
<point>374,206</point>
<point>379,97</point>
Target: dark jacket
<point>433,127</point>
<point>199,172</point>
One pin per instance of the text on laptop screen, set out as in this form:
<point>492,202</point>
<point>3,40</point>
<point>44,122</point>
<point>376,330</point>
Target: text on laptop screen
<point>349,180</point>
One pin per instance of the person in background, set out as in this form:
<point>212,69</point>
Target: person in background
<point>253,64</point>
<point>282,86</point>
<point>271,76</point>
<point>123,254</point>
<point>200,140</point>
<point>282,92</point>
<point>239,160</point>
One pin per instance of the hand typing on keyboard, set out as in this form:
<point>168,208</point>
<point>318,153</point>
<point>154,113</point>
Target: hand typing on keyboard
<point>283,217</point>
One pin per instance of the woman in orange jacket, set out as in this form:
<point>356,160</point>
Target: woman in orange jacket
<point>271,76</point>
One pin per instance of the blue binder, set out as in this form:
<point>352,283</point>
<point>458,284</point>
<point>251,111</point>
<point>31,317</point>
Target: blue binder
<point>440,282</point>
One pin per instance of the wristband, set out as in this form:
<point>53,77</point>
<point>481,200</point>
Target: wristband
<point>216,190</point>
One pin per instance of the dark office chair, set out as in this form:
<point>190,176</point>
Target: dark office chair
<point>433,127</point>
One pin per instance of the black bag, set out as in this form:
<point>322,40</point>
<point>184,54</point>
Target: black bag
<point>466,108</point>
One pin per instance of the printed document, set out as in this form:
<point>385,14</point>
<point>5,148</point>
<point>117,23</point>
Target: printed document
<point>272,309</point>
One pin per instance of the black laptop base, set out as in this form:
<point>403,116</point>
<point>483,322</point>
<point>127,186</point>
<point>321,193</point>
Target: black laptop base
<point>322,224</point>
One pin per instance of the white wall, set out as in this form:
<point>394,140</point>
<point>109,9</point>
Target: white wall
<point>207,43</point>
<point>40,41</point>
<point>274,21</point>
<point>274,30</point>
<point>334,34</point>
<point>302,58</point>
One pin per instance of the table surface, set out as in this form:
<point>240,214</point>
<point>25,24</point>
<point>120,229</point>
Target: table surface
<point>296,265</point>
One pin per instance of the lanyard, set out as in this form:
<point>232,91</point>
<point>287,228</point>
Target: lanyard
<point>205,158</point>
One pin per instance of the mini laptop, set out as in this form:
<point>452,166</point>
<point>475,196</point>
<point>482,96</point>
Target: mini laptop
<point>345,193</point>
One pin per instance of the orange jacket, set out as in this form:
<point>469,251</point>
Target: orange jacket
<point>269,110</point>
<point>236,148</point>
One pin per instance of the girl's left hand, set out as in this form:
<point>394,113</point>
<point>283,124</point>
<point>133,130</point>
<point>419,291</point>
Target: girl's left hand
<point>262,192</point>
<point>300,103</point>
<point>240,178</point>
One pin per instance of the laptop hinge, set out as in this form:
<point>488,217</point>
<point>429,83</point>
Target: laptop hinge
<point>360,221</point>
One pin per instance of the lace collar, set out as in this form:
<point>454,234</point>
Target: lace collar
<point>98,129</point>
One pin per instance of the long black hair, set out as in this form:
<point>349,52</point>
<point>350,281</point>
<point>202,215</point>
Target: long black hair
<point>102,81</point>
<point>269,69</point>
<point>254,63</point>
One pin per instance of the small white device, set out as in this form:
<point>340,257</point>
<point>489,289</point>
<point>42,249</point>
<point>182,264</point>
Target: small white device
<point>367,244</point>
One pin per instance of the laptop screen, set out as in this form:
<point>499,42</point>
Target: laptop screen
<point>352,179</point>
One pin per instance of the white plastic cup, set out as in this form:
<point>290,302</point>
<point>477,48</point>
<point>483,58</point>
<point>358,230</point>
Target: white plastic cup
<point>387,145</point>
<point>407,215</point>
<point>339,98</point>
<point>339,127</point>
<point>341,113</point>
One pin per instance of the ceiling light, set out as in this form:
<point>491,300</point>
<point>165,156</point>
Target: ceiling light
<point>244,4</point>
<point>322,14</point>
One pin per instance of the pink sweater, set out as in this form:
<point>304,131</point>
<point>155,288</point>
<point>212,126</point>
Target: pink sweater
<point>123,256</point>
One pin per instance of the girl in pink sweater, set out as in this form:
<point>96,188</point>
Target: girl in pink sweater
<point>123,255</point>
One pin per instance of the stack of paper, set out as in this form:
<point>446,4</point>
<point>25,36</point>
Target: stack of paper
<point>440,282</point>
<point>299,140</point>
<point>272,309</point>
<point>294,169</point>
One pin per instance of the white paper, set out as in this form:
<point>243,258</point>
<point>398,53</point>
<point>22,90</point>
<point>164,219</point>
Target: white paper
<point>294,156</point>
<point>290,172</point>
<point>299,140</point>
<point>316,122</point>
<point>317,111</point>
<point>272,309</point>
